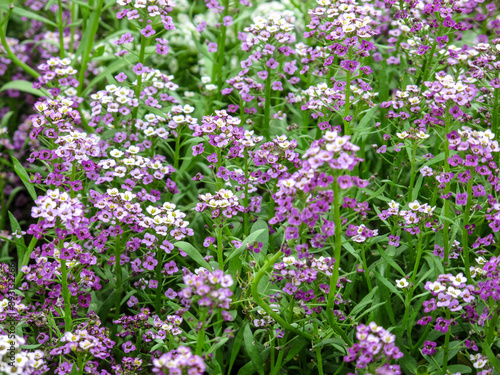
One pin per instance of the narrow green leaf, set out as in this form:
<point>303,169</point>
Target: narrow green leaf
<point>23,12</point>
<point>20,245</point>
<point>297,346</point>
<point>363,303</point>
<point>252,349</point>
<point>23,86</point>
<point>193,253</point>
<point>238,340</point>
<point>251,238</point>
<point>389,260</point>
<point>388,284</point>
<point>364,123</point>
<point>23,175</point>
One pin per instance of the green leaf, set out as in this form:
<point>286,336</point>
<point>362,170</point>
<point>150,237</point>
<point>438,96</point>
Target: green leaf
<point>252,349</point>
<point>388,284</point>
<point>251,238</point>
<point>238,340</point>
<point>20,245</point>
<point>364,302</point>
<point>23,12</point>
<point>193,253</point>
<point>106,306</point>
<point>248,369</point>
<point>376,194</point>
<point>364,123</point>
<point>23,175</point>
<point>297,346</point>
<point>23,86</point>
<point>6,118</point>
<point>389,260</point>
<point>463,369</point>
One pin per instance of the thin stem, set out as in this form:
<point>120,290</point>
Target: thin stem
<point>259,301</point>
<point>365,267</point>
<point>177,150</point>
<point>337,245</point>
<point>319,357</point>
<point>10,54</point>
<point>220,247</point>
<point>119,277</point>
<point>60,26</point>
<point>446,229</point>
<point>138,88</point>
<point>412,178</point>
<point>159,289</point>
<point>72,28</point>
<point>417,260</point>
<point>246,215</point>
<point>221,50</point>
<point>68,322</point>
<point>200,342</point>
<point>465,238</point>
<point>347,130</point>
<point>89,45</point>
<point>492,327</point>
<point>446,345</point>
<point>266,132</point>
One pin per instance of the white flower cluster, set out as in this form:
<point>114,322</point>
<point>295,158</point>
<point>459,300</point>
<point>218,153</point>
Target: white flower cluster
<point>133,165</point>
<point>12,361</point>
<point>78,146</point>
<point>165,215</point>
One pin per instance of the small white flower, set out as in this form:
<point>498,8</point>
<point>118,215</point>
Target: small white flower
<point>402,283</point>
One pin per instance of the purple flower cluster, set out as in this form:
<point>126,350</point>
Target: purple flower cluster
<point>207,289</point>
<point>375,348</point>
<point>179,361</point>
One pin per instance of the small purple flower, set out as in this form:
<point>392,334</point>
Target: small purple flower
<point>262,74</point>
<point>272,63</point>
<point>148,31</point>
<point>198,149</point>
<point>349,65</point>
<point>429,348</point>
<point>442,324</point>
<point>461,198</point>
<point>344,182</point>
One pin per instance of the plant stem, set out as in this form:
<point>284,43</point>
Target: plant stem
<point>200,341</point>
<point>412,178</point>
<point>347,129</point>
<point>72,28</point>
<point>60,26</point>
<point>446,345</point>
<point>220,247</point>
<point>159,289</point>
<point>177,150</point>
<point>68,323</point>
<point>119,276</point>
<point>266,132</point>
<point>138,88</point>
<point>89,45</point>
<point>221,50</point>
<point>417,261</point>
<point>319,357</point>
<point>465,238</point>
<point>259,301</point>
<point>446,240</point>
<point>246,215</point>
<point>10,54</point>
<point>365,267</point>
<point>337,245</point>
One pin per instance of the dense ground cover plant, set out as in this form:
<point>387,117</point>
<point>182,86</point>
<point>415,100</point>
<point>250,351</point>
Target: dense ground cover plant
<point>237,187</point>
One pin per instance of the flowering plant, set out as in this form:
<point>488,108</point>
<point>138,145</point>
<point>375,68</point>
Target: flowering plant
<point>240,187</point>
